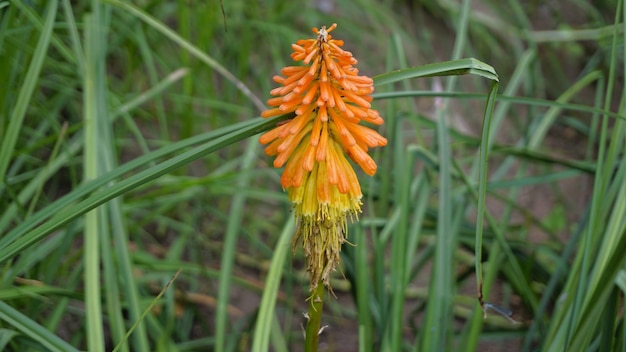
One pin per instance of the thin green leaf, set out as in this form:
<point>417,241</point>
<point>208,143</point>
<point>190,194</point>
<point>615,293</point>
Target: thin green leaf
<point>66,209</point>
<point>261,338</point>
<point>448,68</point>
<point>33,330</point>
<point>7,148</point>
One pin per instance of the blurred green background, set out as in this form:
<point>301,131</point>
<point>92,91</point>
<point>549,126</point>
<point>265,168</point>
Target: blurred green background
<point>138,211</point>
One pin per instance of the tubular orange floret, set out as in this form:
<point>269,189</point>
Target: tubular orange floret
<point>363,159</point>
<point>366,135</point>
<point>331,163</point>
<point>323,114</point>
<point>308,160</point>
<point>293,70</point>
<point>284,89</point>
<point>342,180</point>
<point>359,79</point>
<point>356,99</point>
<point>293,126</point>
<point>274,102</point>
<point>290,105</point>
<point>310,55</point>
<point>272,134</point>
<point>316,133</point>
<point>297,48</point>
<point>291,170</point>
<point>374,117</point>
<point>299,176</point>
<point>293,77</point>
<point>306,110</point>
<point>339,128</point>
<point>305,80</point>
<point>323,143</point>
<point>311,94</point>
<point>323,74</point>
<point>314,67</point>
<point>341,105</point>
<point>270,113</point>
<point>324,91</point>
<point>323,187</point>
<point>272,149</point>
<point>358,112</point>
<point>336,115</point>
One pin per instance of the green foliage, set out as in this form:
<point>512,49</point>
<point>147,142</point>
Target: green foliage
<point>138,212</point>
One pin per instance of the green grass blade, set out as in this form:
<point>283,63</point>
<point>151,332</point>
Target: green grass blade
<point>94,220</point>
<point>107,228</point>
<point>16,119</point>
<point>575,322</point>
<point>192,49</point>
<point>6,335</point>
<point>448,68</point>
<point>230,245</point>
<point>148,309</point>
<point>501,98</point>
<point>261,338</point>
<point>28,234</point>
<point>363,292</point>
<point>548,119</point>
<point>33,330</point>
<point>485,144</point>
<point>130,286</point>
<point>85,189</point>
<point>438,311</point>
<point>620,280</point>
<point>76,144</point>
<point>74,35</point>
<point>33,18</point>
<point>399,267</point>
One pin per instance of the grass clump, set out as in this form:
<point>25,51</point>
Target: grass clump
<point>138,212</point>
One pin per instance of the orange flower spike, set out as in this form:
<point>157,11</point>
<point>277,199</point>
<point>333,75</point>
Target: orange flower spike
<point>329,99</point>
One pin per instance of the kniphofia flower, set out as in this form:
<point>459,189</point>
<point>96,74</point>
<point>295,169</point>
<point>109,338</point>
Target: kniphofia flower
<point>329,99</point>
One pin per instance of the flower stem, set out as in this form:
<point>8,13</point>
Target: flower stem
<point>316,305</point>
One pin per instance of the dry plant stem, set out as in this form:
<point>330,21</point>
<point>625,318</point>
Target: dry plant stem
<point>316,305</point>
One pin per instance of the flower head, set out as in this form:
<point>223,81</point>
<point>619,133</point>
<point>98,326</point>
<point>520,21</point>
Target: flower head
<point>329,99</point>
